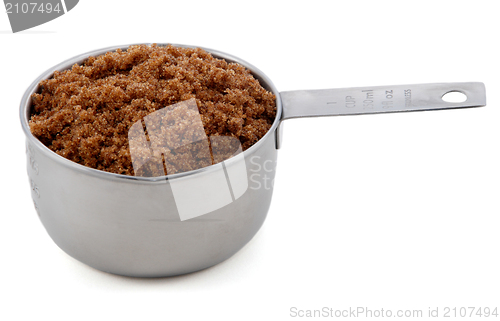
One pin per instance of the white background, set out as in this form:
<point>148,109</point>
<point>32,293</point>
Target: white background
<point>397,211</point>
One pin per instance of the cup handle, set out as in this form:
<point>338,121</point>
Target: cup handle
<point>376,100</point>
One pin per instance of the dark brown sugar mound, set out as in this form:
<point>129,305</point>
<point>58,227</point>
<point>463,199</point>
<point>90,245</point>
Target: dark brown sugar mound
<point>85,113</point>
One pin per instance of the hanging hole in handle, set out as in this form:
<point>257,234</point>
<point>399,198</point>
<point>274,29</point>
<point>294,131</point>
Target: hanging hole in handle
<point>454,96</point>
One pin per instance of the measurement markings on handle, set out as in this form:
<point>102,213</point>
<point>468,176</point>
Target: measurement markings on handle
<point>370,99</point>
<point>368,102</point>
<point>407,97</point>
<point>387,102</point>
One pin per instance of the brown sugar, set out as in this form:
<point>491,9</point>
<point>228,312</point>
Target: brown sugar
<point>87,113</point>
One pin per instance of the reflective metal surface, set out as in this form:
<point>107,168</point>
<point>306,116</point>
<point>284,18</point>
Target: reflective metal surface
<point>379,99</point>
<point>131,225</point>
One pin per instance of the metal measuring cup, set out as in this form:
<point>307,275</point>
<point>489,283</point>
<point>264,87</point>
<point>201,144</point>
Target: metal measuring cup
<point>184,222</point>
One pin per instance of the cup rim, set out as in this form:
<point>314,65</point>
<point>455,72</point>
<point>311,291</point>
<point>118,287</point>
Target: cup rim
<point>33,87</point>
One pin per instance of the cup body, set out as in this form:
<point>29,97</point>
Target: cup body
<point>151,227</point>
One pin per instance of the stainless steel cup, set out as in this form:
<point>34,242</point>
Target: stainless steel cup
<point>181,223</point>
